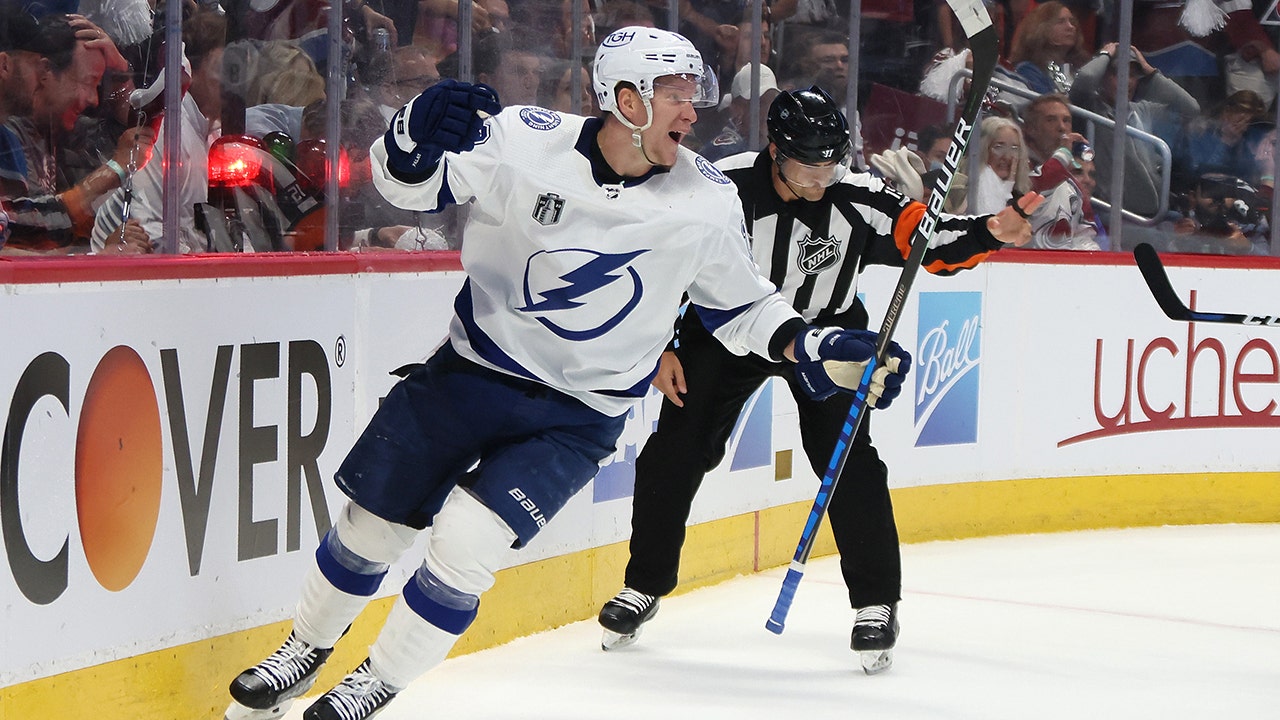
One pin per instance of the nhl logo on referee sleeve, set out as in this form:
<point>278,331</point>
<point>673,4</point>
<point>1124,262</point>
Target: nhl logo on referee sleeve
<point>548,209</point>
<point>817,253</point>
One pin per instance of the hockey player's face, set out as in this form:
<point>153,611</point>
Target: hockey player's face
<point>673,118</point>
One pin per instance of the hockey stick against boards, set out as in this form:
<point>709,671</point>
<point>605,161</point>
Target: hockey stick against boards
<point>977,27</point>
<point>1167,298</point>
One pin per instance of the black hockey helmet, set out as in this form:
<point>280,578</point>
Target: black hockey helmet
<point>807,125</point>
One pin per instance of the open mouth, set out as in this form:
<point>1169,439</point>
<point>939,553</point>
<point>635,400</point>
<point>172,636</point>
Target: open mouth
<point>676,137</point>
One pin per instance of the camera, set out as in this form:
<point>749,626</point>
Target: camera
<point>1226,204</point>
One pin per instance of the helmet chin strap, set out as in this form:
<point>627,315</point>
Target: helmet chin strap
<point>786,181</point>
<point>636,140</point>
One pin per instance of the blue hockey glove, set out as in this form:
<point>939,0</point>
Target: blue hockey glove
<point>829,360</point>
<point>448,116</point>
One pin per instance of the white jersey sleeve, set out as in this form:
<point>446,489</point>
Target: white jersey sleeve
<point>574,277</point>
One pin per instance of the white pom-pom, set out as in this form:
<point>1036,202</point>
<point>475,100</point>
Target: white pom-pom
<point>1201,17</point>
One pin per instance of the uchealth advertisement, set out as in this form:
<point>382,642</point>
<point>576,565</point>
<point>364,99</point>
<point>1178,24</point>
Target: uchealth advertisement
<point>169,445</point>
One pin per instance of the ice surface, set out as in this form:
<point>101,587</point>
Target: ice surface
<point>1167,623</point>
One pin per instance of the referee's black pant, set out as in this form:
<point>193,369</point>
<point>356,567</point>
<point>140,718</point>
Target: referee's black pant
<point>691,440</point>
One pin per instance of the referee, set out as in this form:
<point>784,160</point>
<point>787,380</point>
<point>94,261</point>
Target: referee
<point>813,227</point>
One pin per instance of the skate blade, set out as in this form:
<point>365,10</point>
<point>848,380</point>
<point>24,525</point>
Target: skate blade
<point>875,662</point>
<point>240,712</point>
<point>613,641</point>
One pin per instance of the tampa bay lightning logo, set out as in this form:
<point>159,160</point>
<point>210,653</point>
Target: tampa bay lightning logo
<point>581,294</point>
<point>711,172</point>
<point>539,118</point>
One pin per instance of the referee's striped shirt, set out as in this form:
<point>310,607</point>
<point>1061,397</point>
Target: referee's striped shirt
<point>814,251</point>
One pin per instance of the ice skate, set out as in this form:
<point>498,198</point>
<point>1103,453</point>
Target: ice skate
<point>875,632</point>
<point>240,712</point>
<point>286,674</point>
<point>359,696</point>
<point>623,616</point>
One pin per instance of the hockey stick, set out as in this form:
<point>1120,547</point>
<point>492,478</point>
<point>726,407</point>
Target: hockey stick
<point>982,43</point>
<point>1158,280</point>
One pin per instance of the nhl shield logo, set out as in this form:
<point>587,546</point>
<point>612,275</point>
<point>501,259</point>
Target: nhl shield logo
<point>548,209</point>
<point>818,254</point>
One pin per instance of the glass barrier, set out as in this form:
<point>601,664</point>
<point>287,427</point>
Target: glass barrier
<point>260,143</point>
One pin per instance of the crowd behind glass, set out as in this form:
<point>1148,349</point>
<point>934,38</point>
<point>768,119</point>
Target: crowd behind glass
<point>265,87</point>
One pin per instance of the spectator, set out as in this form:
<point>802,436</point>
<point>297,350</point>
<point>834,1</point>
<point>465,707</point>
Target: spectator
<point>20,67</point>
<point>712,26</point>
<point>1065,221</point>
<point>286,75</point>
<point>404,73</point>
<point>1004,167</point>
<point>931,145</point>
<point>1157,105</point>
<point>439,20</point>
<point>624,13</point>
<point>204,36</point>
<point>1045,123</point>
<point>1047,48</point>
<point>1222,217</point>
<point>50,212</point>
<point>1226,142</point>
<point>510,66</point>
<point>1085,173</point>
<point>733,136</point>
<point>940,73</point>
<point>823,62</point>
<point>1193,42</point>
<point>556,89</point>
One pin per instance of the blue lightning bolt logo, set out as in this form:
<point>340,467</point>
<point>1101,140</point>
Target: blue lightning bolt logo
<point>598,272</point>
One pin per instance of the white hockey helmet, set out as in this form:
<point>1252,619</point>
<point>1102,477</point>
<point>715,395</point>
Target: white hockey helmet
<point>639,55</point>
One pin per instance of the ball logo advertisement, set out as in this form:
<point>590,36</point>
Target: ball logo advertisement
<point>945,368</point>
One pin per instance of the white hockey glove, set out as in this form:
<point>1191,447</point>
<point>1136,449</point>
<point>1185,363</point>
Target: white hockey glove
<point>905,169</point>
<point>829,360</point>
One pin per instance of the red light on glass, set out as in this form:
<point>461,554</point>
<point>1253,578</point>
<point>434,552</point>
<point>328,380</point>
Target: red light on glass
<point>312,162</point>
<point>235,160</point>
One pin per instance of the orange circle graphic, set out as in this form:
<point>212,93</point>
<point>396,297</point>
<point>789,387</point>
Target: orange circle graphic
<point>118,468</point>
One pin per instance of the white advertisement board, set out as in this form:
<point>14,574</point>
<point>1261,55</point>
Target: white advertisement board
<point>233,401</point>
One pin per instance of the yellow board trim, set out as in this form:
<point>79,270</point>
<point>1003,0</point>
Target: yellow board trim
<point>189,681</point>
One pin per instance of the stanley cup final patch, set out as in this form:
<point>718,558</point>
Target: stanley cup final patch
<point>548,209</point>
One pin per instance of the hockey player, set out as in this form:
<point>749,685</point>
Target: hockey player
<point>583,235</point>
<point>813,226</point>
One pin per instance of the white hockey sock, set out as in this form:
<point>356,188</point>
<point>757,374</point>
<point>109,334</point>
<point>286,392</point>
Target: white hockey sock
<point>407,647</point>
<point>355,555</point>
<point>467,544</point>
<point>324,612</point>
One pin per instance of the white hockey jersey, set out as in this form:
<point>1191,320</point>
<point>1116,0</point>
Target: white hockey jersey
<point>575,276</point>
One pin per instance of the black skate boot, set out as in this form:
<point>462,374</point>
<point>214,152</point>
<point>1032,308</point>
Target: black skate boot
<point>623,615</point>
<point>359,696</point>
<point>286,674</point>
<point>875,632</point>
